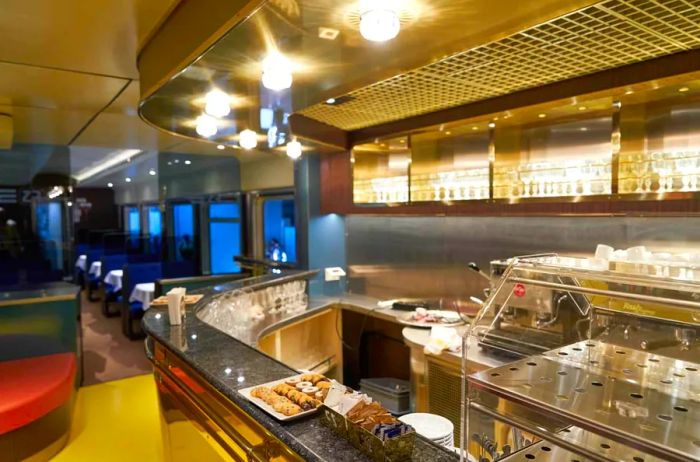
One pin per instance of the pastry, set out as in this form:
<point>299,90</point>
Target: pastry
<point>303,400</point>
<point>293,381</point>
<point>324,385</point>
<point>311,391</point>
<point>304,384</point>
<point>313,378</point>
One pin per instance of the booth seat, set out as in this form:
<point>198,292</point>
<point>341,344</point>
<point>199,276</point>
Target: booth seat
<point>111,294</point>
<point>136,273</point>
<point>38,381</point>
<point>93,282</point>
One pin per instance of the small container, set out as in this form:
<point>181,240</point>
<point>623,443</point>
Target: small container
<point>393,394</point>
<point>395,449</point>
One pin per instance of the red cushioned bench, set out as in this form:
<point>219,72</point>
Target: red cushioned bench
<point>35,405</point>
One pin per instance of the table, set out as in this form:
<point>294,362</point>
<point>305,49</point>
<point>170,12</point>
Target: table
<point>143,293</point>
<point>96,269</point>
<point>81,262</point>
<point>114,279</point>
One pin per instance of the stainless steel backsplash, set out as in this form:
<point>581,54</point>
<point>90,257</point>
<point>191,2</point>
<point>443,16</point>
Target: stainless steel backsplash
<point>392,257</point>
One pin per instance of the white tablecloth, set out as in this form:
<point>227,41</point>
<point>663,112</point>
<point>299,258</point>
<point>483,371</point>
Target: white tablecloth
<point>81,262</point>
<point>96,269</point>
<point>143,293</point>
<point>114,279</point>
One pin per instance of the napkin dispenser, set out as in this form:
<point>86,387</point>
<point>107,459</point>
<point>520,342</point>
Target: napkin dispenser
<point>176,305</point>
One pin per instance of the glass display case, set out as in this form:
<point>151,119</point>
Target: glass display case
<point>554,160</point>
<point>450,165</point>
<point>605,357</point>
<point>380,172</point>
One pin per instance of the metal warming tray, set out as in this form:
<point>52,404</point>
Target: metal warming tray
<point>625,387</point>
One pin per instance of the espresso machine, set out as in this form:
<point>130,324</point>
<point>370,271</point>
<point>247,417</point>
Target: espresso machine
<point>534,319</point>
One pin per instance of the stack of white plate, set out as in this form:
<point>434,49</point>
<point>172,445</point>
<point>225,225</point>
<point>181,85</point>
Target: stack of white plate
<point>433,427</point>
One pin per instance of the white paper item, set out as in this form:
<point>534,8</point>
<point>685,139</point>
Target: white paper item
<point>443,338</point>
<point>176,305</point>
<point>336,392</point>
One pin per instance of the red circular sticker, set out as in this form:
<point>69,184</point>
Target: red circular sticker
<point>519,290</point>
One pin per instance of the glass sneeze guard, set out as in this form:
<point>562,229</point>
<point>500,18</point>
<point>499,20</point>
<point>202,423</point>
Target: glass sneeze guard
<point>620,380</point>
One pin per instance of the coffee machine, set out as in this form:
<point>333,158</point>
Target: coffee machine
<point>534,319</point>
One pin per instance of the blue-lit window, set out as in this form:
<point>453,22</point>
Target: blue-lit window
<point>280,232</point>
<point>155,227</point>
<point>224,237</point>
<point>133,221</point>
<point>183,232</point>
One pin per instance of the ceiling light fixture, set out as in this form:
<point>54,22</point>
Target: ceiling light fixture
<point>492,124</point>
<point>330,101</point>
<point>127,179</point>
<point>218,103</point>
<point>110,185</point>
<point>277,72</point>
<point>220,147</point>
<point>379,20</point>
<point>683,89</point>
<point>114,159</point>
<point>152,172</point>
<point>188,162</point>
<point>69,204</point>
<point>248,139</point>
<point>582,108</point>
<point>294,149</point>
<point>206,126</point>
<point>542,116</point>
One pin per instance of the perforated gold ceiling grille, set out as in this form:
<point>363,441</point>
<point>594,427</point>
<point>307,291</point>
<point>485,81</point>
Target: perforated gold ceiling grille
<point>603,36</point>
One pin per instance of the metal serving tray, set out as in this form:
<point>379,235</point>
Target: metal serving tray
<point>545,451</point>
<point>645,401</point>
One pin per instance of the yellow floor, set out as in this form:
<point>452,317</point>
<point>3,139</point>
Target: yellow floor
<point>116,421</point>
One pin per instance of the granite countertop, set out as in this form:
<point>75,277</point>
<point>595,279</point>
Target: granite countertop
<point>229,365</point>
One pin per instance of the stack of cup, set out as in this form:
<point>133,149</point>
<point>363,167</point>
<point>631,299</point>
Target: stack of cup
<point>176,305</point>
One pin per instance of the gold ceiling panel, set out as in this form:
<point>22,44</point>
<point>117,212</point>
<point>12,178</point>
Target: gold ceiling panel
<point>606,35</point>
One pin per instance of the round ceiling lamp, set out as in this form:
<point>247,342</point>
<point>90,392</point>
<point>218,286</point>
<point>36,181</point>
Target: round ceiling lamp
<point>379,20</point>
<point>206,126</point>
<point>294,149</point>
<point>248,139</point>
<point>217,103</point>
<point>277,72</point>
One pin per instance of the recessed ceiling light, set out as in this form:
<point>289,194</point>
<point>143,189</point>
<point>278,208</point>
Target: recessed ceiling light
<point>683,89</point>
<point>402,141</point>
<point>110,185</point>
<point>629,92</point>
<point>127,179</point>
<point>248,139</point>
<point>542,116</point>
<point>277,72</point>
<point>177,161</point>
<point>379,20</point>
<point>448,132</point>
<point>330,101</point>
<point>584,129</point>
<point>218,103</point>
<point>220,147</point>
<point>475,128</point>
<point>327,33</point>
<point>69,204</point>
<point>492,125</point>
<point>152,172</point>
<point>582,108</point>
<point>188,162</point>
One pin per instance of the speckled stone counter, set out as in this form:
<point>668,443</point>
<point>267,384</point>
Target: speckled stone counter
<point>229,364</point>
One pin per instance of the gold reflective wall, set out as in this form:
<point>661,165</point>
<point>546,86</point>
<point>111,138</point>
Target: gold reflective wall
<point>380,172</point>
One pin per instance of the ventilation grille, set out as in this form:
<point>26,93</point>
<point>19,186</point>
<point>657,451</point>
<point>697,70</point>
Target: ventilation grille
<point>603,36</point>
<point>444,393</point>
